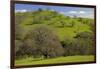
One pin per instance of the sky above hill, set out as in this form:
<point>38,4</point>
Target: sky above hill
<point>65,10</point>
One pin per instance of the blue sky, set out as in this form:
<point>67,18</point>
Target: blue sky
<point>66,10</point>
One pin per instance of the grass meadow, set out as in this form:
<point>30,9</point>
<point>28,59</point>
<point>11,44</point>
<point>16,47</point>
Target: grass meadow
<point>68,59</point>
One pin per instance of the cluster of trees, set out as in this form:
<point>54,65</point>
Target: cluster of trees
<point>43,42</point>
<point>82,44</point>
<point>40,42</point>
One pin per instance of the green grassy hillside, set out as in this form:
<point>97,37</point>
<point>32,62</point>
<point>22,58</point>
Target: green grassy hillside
<point>64,26</point>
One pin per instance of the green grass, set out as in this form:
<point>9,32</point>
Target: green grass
<point>62,33</point>
<point>68,59</point>
<point>54,21</point>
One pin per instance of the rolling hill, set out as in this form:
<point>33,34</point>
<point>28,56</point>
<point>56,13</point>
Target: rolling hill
<point>63,26</point>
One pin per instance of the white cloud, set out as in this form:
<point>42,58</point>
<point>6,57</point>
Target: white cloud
<point>77,12</point>
<point>82,12</point>
<point>23,10</point>
<point>73,12</point>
